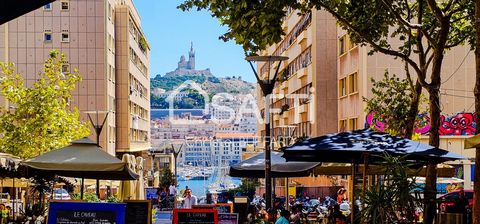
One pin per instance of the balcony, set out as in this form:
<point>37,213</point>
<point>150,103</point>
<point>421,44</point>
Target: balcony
<point>302,73</point>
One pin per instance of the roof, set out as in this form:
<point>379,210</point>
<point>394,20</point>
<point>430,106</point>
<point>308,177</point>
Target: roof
<point>235,135</point>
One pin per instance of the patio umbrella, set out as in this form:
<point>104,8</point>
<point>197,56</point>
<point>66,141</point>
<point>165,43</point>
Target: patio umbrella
<point>346,169</point>
<point>140,185</point>
<point>255,167</point>
<point>127,188</point>
<point>364,146</point>
<point>82,159</point>
<point>354,146</point>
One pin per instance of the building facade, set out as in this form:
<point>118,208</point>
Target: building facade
<point>96,36</point>
<point>303,98</point>
<point>356,68</point>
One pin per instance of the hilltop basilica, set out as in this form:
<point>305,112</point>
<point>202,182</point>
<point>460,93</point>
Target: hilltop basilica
<point>188,67</point>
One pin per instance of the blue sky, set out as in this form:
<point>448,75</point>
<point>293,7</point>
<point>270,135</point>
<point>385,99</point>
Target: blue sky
<point>170,31</point>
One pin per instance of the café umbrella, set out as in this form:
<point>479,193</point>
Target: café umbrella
<point>255,167</point>
<point>364,146</point>
<point>82,159</point>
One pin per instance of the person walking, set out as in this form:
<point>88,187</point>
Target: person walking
<point>190,199</point>
<point>172,190</point>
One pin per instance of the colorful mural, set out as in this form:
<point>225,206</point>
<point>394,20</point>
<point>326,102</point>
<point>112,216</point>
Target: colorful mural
<point>458,124</point>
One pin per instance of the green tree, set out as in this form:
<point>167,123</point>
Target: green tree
<point>426,28</point>
<point>40,117</point>
<point>166,177</point>
<point>390,103</point>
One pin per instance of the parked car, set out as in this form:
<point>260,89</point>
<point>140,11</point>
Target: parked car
<point>447,201</point>
<point>60,194</point>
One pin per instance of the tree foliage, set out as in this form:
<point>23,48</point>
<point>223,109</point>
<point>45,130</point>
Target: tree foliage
<point>417,32</point>
<point>390,103</point>
<point>166,178</point>
<point>40,117</point>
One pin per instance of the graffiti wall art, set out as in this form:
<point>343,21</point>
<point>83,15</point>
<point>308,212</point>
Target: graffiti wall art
<point>458,124</point>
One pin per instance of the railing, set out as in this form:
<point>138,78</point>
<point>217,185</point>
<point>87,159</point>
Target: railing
<point>290,38</point>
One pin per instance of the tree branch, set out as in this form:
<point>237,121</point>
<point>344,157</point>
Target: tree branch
<point>439,15</point>
<point>402,20</point>
<point>458,42</point>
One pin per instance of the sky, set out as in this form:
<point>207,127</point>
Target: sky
<point>170,31</point>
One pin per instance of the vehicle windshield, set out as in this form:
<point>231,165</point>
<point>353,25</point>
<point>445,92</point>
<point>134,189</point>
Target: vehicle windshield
<point>60,191</point>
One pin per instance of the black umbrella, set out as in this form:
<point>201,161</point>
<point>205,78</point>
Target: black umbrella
<point>255,167</point>
<point>355,146</point>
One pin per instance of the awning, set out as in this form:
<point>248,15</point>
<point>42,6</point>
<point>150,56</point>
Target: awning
<point>348,147</point>
<point>82,159</point>
<point>255,167</point>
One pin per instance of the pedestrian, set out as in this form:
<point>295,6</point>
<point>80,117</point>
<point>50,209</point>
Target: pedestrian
<point>284,216</point>
<point>189,199</point>
<point>172,190</point>
<point>461,205</point>
<point>341,195</point>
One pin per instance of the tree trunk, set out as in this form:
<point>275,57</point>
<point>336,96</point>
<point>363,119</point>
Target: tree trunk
<point>476,183</point>
<point>413,111</point>
<point>434,140</point>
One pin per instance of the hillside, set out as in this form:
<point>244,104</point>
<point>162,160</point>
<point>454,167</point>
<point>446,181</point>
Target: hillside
<point>209,83</point>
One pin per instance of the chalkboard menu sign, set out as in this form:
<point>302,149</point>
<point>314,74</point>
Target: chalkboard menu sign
<point>195,216</point>
<point>227,218</point>
<point>138,212</point>
<point>83,212</point>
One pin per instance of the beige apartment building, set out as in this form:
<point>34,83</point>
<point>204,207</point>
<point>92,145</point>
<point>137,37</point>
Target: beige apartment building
<point>310,75</point>
<point>104,41</point>
<point>356,68</point>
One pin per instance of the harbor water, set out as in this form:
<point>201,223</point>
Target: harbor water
<point>200,187</point>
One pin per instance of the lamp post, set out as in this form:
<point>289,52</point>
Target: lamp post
<point>176,152</point>
<point>98,127</point>
<point>267,85</point>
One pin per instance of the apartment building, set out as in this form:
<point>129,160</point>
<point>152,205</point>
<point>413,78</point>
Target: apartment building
<point>104,41</point>
<point>304,92</point>
<point>305,97</point>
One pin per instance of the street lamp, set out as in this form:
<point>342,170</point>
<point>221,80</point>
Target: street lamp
<point>98,127</point>
<point>176,152</point>
<point>267,85</point>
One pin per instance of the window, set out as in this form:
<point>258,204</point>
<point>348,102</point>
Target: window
<point>65,68</point>
<point>47,7</point>
<point>342,87</point>
<point>65,37</point>
<point>352,83</point>
<point>47,36</point>
<point>342,125</point>
<point>352,124</point>
<point>65,5</point>
<point>341,45</point>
